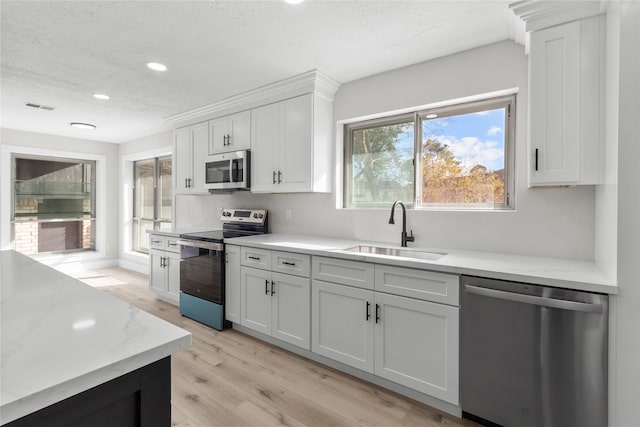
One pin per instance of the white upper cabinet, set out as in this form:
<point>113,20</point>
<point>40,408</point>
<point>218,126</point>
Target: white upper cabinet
<point>288,125</point>
<point>291,146</point>
<point>190,147</point>
<point>566,93</point>
<point>230,133</point>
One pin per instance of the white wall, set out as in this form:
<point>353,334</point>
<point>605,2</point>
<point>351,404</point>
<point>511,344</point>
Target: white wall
<point>108,245</point>
<point>626,313</point>
<point>145,148</point>
<point>551,222</point>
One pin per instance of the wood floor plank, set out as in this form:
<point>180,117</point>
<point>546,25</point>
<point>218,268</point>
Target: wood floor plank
<point>229,379</point>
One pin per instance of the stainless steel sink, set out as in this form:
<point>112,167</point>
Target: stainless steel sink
<point>396,252</point>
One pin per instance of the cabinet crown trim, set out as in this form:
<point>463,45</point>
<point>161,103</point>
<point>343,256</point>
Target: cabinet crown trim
<point>539,14</point>
<point>312,81</point>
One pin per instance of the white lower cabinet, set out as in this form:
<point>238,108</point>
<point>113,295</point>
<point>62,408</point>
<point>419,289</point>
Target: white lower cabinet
<point>165,275</point>
<point>342,326</point>
<point>164,267</point>
<point>400,324</point>
<point>276,304</point>
<point>416,345</point>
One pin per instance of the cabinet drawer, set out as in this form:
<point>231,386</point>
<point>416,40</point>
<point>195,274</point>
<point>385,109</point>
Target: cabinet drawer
<point>353,273</point>
<point>171,245</point>
<point>157,242</point>
<point>256,258</point>
<point>291,263</point>
<point>425,285</point>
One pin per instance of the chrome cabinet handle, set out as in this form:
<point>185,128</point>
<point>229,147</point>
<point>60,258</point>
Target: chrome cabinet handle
<point>368,316</point>
<point>289,263</point>
<point>536,159</point>
<point>266,287</point>
<point>228,139</point>
<point>274,177</point>
<point>273,287</point>
<point>255,258</point>
<point>377,313</point>
<point>155,242</point>
<point>279,177</point>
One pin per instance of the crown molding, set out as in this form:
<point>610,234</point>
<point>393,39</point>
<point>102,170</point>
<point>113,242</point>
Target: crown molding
<point>539,14</point>
<point>310,82</point>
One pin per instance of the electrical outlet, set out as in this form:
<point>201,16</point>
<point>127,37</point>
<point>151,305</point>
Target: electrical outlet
<point>287,214</point>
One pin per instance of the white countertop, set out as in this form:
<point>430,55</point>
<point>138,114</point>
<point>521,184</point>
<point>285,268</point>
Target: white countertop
<point>557,272</point>
<point>61,337</point>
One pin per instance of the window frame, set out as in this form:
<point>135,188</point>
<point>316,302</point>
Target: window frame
<point>503,99</point>
<point>57,217</point>
<point>157,199</point>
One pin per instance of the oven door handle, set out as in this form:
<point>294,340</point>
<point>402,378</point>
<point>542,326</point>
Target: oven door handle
<point>201,244</point>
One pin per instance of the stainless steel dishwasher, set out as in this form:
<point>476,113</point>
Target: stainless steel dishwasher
<point>532,356</point>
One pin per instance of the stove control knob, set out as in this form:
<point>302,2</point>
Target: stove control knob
<point>255,215</point>
<point>260,215</point>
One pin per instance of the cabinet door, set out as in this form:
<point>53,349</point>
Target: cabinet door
<point>296,139</point>
<point>342,324</point>
<point>416,345</point>
<point>200,139</point>
<point>232,283</point>
<point>291,309</point>
<point>239,125</point>
<point>264,148</point>
<point>173,276</point>
<point>218,131</point>
<point>182,159</point>
<point>255,291</point>
<point>157,278</point>
<point>554,93</point>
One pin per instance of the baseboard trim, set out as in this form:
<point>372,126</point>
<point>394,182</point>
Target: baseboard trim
<point>134,266</point>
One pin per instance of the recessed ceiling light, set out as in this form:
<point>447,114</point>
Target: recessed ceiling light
<point>100,96</point>
<point>431,116</point>
<point>156,66</point>
<point>294,1</point>
<point>82,125</point>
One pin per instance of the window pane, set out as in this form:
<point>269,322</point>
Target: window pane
<point>53,204</point>
<point>144,176</point>
<point>164,187</point>
<point>140,235</point>
<point>463,159</point>
<point>381,165</point>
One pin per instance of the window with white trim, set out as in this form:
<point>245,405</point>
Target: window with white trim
<point>151,199</point>
<point>54,204</point>
<point>453,157</point>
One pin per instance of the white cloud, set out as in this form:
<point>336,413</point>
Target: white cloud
<point>472,150</point>
<point>494,130</point>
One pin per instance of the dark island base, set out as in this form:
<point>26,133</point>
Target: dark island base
<point>141,398</point>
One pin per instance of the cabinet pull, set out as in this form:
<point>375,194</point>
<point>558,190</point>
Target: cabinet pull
<point>273,287</point>
<point>377,313</point>
<point>274,177</point>
<point>279,177</point>
<point>228,139</point>
<point>155,242</point>
<point>536,159</point>
<point>186,183</point>
<point>172,244</point>
<point>162,262</point>
<point>266,287</point>
<point>255,258</point>
<point>224,140</point>
<point>288,263</point>
<point>368,311</point>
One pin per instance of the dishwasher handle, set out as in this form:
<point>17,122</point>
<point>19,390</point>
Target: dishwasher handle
<point>532,299</point>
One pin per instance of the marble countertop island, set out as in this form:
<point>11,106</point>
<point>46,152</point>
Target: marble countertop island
<point>61,337</point>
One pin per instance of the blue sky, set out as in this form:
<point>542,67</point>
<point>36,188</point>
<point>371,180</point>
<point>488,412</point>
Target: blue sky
<point>475,138</point>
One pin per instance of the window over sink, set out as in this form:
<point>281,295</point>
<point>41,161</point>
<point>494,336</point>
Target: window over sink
<point>458,156</point>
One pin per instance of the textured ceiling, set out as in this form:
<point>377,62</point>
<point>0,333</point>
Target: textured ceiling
<point>58,53</point>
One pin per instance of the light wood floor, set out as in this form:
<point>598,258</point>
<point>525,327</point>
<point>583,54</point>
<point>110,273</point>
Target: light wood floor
<point>230,379</point>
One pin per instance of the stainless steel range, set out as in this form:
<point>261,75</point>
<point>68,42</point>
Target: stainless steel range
<point>202,273</point>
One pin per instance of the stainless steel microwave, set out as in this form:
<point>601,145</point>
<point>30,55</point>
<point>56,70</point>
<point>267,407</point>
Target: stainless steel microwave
<point>227,171</point>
